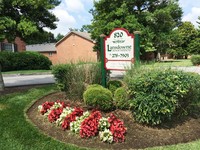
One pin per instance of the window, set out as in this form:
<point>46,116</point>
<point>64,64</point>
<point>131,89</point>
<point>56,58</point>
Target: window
<point>50,54</point>
<point>8,47</point>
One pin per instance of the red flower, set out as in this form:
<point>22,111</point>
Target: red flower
<point>89,127</point>
<point>71,117</point>
<point>55,114</point>
<point>117,128</point>
<point>46,106</point>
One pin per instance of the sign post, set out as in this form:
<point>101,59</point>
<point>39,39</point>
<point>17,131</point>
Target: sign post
<point>137,48</point>
<point>119,50</point>
<point>103,71</point>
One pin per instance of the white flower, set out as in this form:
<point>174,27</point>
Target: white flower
<point>106,136</point>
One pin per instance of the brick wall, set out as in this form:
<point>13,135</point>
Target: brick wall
<point>52,56</point>
<point>74,49</point>
<point>21,45</point>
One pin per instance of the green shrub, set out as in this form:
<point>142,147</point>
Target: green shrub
<point>94,86</point>
<point>114,84</point>
<point>24,61</point>
<point>121,98</point>
<point>98,97</point>
<point>73,78</point>
<point>160,94</point>
<point>195,59</point>
<point>63,74</point>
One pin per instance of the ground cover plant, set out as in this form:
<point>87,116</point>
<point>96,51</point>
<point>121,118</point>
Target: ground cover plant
<point>18,133</point>
<point>86,124</point>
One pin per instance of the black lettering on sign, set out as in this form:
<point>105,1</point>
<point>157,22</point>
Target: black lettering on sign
<point>118,34</point>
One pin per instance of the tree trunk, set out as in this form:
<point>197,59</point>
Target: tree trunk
<point>1,81</point>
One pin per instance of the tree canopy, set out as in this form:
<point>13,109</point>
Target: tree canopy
<point>154,18</point>
<point>182,38</point>
<point>26,18</point>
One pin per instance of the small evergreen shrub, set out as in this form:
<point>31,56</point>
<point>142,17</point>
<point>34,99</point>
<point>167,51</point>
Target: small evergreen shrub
<point>98,97</point>
<point>114,84</point>
<point>94,86</point>
<point>160,94</point>
<point>195,59</point>
<point>24,61</point>
<point>121,98</point>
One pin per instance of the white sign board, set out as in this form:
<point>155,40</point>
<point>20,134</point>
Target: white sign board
<point>119,50</point>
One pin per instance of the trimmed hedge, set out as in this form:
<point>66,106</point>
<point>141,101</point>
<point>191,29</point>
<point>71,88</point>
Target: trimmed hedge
<point>121,98</point>
<point>24,61</point>
<point>114,84</point>
<point>195,59</point>
<point>98,97</point>
<point>160,94</point>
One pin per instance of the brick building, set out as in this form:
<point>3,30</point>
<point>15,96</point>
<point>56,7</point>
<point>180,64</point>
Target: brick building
<point>17,46</point>
<point>47,49</point>
<point>74,47</point>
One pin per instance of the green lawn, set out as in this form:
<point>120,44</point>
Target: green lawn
<point>17,133</point>
<point>171,63</point>
<point>27,72</point>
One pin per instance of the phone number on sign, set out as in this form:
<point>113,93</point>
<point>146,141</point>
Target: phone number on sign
<point>120,55</point>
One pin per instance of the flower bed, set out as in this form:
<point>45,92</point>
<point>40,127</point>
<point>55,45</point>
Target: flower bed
<point>86,124</point>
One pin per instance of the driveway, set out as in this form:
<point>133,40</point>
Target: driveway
<point>23,80</point>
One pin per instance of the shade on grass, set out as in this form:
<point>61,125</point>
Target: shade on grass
<point>16,133</point>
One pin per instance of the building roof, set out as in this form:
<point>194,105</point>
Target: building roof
<point>46,47</point>
<point>84,35</point>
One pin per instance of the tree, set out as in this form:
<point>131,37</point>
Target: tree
<point>194,46</point>
<point>154,18</point>
<point>59,37</point>
<point>23,18</point>
<point>26,17</point>
<point>40,37</point>
<point>183,36</point>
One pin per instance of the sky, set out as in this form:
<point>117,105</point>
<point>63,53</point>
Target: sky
<point>75,13</point>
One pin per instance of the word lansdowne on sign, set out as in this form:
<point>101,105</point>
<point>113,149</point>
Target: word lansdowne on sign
<point>119,50</point>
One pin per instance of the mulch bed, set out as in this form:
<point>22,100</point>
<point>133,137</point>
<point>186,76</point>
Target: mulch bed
<point>137,137</point>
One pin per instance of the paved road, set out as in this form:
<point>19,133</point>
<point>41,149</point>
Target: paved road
<point>189,69</point>
<point>22,80</point>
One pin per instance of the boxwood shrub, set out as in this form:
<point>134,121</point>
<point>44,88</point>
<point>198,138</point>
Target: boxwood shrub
<point>160,94</point>
<point>24,61</point>
<point>195,59</point>
<point>114,84</point>
<point>98,97</point>
<point>121,98</point>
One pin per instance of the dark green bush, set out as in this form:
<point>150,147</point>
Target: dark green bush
<point>24,61</point>
<point>98,97</point>
<point>114,84</point>
<point>195,59</point>
<point>160,94</point>
<point>74,78</point>
<point>121,98</point>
